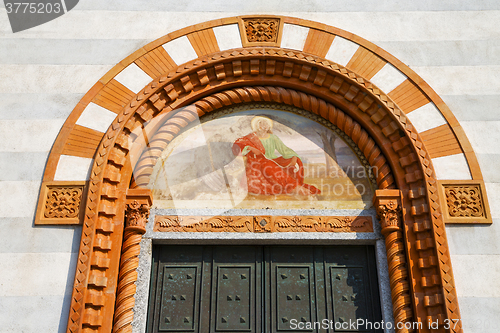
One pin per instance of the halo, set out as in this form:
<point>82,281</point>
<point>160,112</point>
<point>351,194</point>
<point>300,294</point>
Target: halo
<point>257,119</point>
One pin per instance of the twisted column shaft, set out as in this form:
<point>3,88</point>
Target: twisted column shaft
<point>136,215</point>
<point>125,300</point>
<point>388,205</point>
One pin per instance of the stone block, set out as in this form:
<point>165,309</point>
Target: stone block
<point>341,50</point>
<point>228,37</point>
<point>445,52</point>
<point>473,107</point>
<point>96,117</point>
<point>29,135</point>
<point>37,106</point>
<point>50,79</point>
<point>73,168</point>
<point>451,167</point>
<point>388,78</point>
<point>21,166</point>
<point>426,117</point>
<point>489,167</point>
<point>180,50</point>
<point>462,80</point>
<point>22,237</point>
<point>18,198</point>
<point>476,275</point>
<point>37,274</point>
<point>133,78</point>
<point>294,37</point>
<point>479,314</point>
<point>76,51</point>
<point>493,192</point>
<point>41,314</point>
<point>484,136</point>
<point>474,239</point>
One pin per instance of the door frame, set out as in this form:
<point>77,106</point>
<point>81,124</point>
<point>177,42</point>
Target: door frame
<point>151,239</point>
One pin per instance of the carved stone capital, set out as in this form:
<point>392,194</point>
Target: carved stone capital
<point>137,212</point>
<point>388,206</point>
<point>136,217</point>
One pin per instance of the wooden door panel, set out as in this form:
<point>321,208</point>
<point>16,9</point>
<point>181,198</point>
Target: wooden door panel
<point>271,289</point>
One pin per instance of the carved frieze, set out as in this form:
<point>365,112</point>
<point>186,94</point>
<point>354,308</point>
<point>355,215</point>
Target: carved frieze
<point>263,224</point>
<point>261,31</point>
<point>464,202</point>
<point>61,203</point>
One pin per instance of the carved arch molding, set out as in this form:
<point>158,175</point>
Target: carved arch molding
<point>420,267</point>
<point>408,200</point>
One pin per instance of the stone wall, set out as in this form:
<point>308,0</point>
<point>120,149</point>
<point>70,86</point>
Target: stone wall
<point>44,71</point>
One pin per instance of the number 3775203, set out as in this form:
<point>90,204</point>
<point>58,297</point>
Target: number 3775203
<point>33,7</point>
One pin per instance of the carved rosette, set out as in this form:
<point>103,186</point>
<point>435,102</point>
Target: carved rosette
<point>263,224</point>
<point>261,30</point>
<point>61,203</point>
<point>136,216</point>
<point>464,201</point>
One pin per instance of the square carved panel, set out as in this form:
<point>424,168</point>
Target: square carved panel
<point>464,201</point>
<point>61,202</point>
<point>265,31</point>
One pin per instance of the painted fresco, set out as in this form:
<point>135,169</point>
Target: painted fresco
<point>260,159</point>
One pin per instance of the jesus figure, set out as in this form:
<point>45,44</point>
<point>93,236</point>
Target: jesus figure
<point>266,172</point>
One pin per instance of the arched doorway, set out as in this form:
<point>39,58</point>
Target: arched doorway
<point>198,174</point>
<point>303,78</point>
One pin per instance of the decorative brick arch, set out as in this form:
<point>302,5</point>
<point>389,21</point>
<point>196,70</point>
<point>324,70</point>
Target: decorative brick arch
<point>314,85</point>
<point>420,267</point>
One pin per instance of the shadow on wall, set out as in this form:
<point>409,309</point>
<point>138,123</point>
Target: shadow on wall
<point>63,321</point>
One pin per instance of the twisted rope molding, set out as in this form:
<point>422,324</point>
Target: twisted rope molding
<point>430,266</point>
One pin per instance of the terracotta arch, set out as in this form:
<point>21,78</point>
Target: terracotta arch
<point>260,72</point>
<point>307,82</point>
<point>152,59</point>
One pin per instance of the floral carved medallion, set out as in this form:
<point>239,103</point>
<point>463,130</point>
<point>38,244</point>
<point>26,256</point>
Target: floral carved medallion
<point>465,202</point>
<point>62,203</point>
<point>261,30</point>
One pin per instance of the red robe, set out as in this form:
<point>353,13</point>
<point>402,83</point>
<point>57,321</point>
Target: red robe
<point>266,176</point>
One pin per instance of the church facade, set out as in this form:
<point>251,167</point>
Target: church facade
<point>245,167</point>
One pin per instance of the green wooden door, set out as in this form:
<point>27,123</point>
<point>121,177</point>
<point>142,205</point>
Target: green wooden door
<point>263,289</point>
